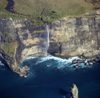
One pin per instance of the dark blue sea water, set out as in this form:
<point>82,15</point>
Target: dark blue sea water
<point>48,82</point>
<point>10,5</point>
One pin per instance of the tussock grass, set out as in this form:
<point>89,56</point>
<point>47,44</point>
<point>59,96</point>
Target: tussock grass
<point>62,7</point>
<point>35,8</point>
<point>4,13</point>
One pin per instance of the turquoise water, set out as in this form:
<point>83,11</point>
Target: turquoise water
<point>46,81</point>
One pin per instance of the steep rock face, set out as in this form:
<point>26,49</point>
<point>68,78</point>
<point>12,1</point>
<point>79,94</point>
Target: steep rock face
<point>75,36</point>
<point>69,36</point>
<point>19,40</point>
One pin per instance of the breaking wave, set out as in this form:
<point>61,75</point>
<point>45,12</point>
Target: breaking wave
<point>56,62</point>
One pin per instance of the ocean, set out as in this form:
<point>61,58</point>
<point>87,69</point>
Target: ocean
<point>50,77</point>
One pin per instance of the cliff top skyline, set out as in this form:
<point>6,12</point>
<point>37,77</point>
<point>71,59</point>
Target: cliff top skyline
<point>62,8</point>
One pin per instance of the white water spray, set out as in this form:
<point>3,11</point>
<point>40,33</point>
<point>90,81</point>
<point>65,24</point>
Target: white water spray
<point>47,38</point>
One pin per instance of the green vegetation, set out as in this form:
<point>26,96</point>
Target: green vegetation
<point>8,46</point>
<point>49,16</point>
<point>8,37</point>
<point>34,8</point>
<point>61,7</point>
<point>6,14</point>
<point>40,31</point>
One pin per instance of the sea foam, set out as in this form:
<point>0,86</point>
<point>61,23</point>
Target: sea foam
<point>58,62</point>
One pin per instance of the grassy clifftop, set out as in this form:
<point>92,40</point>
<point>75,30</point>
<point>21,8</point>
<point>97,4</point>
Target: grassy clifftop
<point>6,14</point>
<point>62,7</point>
<point>35,8</point>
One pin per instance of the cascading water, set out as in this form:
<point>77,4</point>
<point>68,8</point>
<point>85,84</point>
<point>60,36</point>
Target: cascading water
<point>47,39</point>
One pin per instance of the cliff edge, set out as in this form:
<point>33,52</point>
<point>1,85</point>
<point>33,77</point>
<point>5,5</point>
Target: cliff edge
<point>69,37</point>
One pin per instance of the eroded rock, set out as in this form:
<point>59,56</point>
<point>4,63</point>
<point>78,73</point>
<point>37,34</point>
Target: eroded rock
<point>74,91</point>
<point>69,37</point>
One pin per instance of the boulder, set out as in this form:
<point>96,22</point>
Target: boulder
<point>77,66</point>
<point>96,59</point>
<point>80,61</point>
<point>91,63</point>
<point>93,59</point>
<point>74,61</point>
<point>74,91</point>
<point>87,64</point>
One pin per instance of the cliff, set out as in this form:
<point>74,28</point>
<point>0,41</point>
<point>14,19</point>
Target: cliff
<point>19,40</point>
<point>72,36</point>
<point>69,36</point>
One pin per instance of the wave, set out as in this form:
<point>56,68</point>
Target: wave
<point>50,57</point>
<point>1,64</point>
<point>30,57</point>
<point>57,61</point>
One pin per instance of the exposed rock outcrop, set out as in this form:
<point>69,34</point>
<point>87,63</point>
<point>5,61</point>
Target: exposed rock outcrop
<point>19,40</point>
<point>74,91</point>
<point>74,36</point>
<point>69,36</point>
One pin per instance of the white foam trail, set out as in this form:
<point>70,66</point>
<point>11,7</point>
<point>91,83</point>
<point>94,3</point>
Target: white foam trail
<point>87,60</point>
<point>81,64</point>
<point>38,62</point>
<point>50,57</point>
<point>1,64</point>
<point>60,63</point>
<point>30,57</point>
<point>37,86</point>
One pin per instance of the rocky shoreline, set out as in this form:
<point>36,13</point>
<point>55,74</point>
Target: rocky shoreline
<point>92,56</point>
<point>23,72</point>
<point>70,36</point>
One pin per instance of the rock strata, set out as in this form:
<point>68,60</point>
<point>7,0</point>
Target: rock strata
<point>72,36</point>
<point>69,37</point>
<point>19,40</point>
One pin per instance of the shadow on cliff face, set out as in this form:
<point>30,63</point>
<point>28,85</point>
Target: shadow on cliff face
<point>4,62</point>
<point>96,3</point>
<point>92,1</point>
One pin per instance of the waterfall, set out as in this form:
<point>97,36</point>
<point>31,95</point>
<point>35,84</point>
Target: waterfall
<point>47,38</point>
